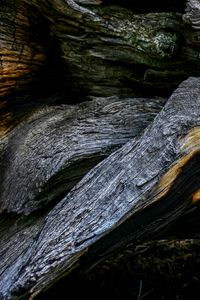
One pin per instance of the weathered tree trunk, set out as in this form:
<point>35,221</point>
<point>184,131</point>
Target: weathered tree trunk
<point>138,153</point>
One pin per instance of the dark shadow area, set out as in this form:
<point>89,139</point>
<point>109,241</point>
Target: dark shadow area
<point>145,6</point>
<point>167,269</point>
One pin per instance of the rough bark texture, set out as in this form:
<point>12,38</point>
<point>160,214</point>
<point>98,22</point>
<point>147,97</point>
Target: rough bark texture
<point>101,50</point>
<point>129,196</point>
<point>138,156</point>
<point>110,49</point>
<point>57,145</point>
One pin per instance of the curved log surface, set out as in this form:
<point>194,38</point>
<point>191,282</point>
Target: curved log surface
<point>64,143</point>
<point>57,145</point>
<point>115,202</point>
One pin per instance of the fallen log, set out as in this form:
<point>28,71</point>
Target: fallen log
<point>130,196</point>
<point>147,189</point>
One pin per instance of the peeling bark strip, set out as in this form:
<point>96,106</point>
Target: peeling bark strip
<point>126,197</point>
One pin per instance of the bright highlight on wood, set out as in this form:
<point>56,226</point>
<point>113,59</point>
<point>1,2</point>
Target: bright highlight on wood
<point>196,196</point>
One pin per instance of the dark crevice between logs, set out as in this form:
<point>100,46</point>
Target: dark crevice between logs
<point>33,30</point>
<point>52,81</point>
<point>145,6</point>
<point>57,187</point>
<point>46,85</point>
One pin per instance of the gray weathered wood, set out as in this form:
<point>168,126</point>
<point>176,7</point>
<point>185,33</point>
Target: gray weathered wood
<point>48,153</point>
<point>192,14</point>
<point>52,149</point>
<point>131,195</point>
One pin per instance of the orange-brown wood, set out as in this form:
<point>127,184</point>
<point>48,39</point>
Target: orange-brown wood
<point>189,147</point>
<point>21,56</point>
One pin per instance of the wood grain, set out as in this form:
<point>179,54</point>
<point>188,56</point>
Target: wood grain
<point>115,203</point>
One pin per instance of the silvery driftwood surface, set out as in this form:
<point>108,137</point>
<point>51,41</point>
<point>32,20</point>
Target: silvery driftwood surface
<point>79,181</point>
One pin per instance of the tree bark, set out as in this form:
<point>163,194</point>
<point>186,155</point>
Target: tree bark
<point>101,50</point>
<point>80,181</point>
<point>57,145</point>
<point>132,195</point>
